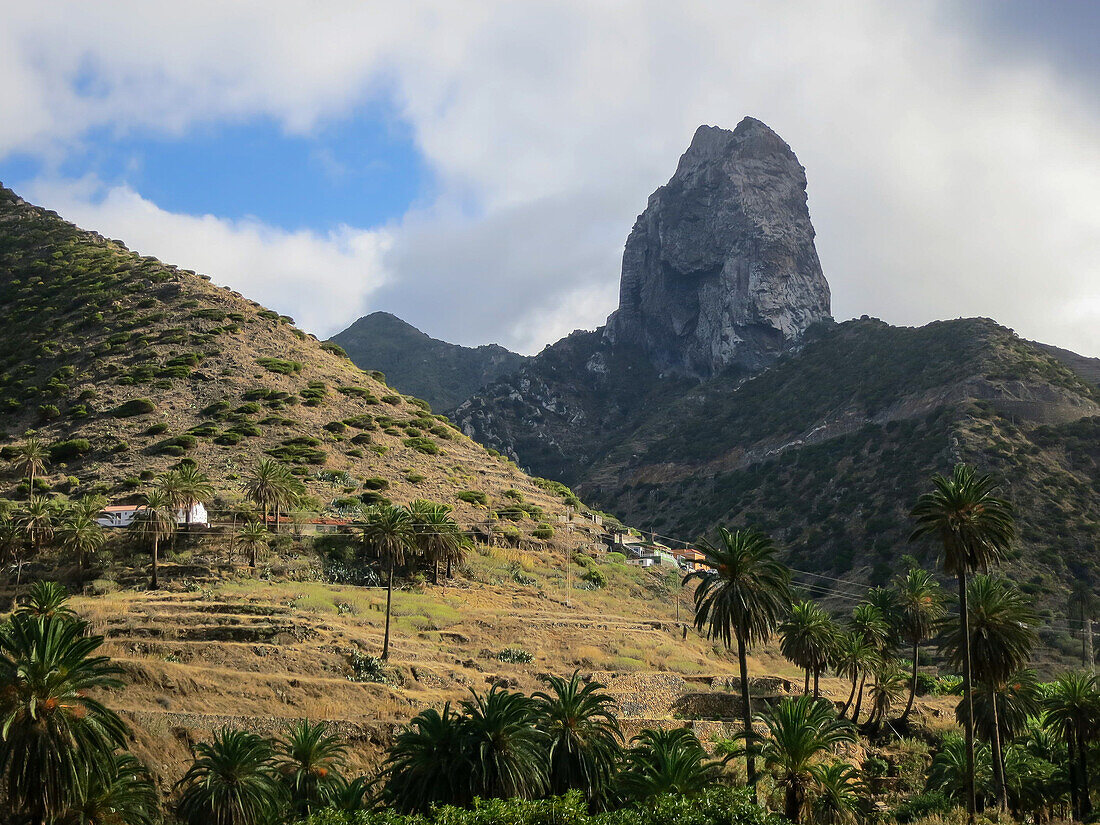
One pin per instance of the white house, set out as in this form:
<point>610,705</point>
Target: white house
<point>122,515</point>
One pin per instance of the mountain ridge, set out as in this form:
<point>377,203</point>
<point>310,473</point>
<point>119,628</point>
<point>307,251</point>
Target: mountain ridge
<point>442,373</point>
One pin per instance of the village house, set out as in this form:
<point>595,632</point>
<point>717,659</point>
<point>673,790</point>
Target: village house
<point>122,515</point>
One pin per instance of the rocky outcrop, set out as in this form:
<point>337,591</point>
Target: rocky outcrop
<point>721,268</point>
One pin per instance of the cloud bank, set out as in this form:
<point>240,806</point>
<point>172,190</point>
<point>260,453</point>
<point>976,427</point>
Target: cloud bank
<point>947,177</point>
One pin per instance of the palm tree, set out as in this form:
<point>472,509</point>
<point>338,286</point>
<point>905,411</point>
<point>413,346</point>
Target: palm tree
<point>36,520</point>
<point>387,532</point>
<point>853,658</point>
<point>428,763</point>
<point>1002,634</point>
<point>45,598</point>
<point>869,623</point>
<point>585,739</point>
<point>12,544</point>
<point>976,529</point>
<point>350,797</point>
<point>121,793</point>
<point>54,733</point>
<point>266,485</point>
<point>154,522</point>
<point>437,536</point>
<point>889,687</point>
<point>252,536</point>
<point>30,460</point>
<point>920,602</point>
<point>742,595</point>
<point>801,731</point>
<point>835,793</point>
<point>1073,710</point>
<point>310,760</point>
<point>290,493</point>
<point>192,487</point>
<point>665,762</point>
<point>506,749</point>
<point>808,639</point>
<point>232,781</point>
<point>950,772</point>
<point>80,535</point>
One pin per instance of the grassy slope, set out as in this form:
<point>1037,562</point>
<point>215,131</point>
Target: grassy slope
<point>90,326</point>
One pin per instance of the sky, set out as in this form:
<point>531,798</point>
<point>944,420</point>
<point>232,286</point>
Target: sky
<point>475,168</point>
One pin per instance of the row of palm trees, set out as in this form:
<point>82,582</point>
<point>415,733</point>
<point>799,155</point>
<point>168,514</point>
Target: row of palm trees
<point>567,738</point>
<point>745,596</point>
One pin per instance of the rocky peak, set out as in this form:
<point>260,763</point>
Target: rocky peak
<point>721,268</point>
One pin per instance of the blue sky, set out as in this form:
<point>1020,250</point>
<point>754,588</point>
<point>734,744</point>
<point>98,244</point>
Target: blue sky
<point>476,168</point>
<point>361,170</point>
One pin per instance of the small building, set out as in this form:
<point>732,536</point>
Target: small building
<point>644,561</point>
<point>122,515</point>
<point>690,559</point>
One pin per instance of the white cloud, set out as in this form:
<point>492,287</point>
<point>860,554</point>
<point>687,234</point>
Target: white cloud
<point>320,280</point>
<point>946,178</point>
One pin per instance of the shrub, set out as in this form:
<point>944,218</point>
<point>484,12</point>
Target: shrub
<point>335,349</point>
<point>135,406</point>
<point>515,655</point>
<point>923,805</point>
<point>176,446</point>
<point>375,484</point>
<point>280,366</point>
<point>595,577</point>
<point>229,439</point>
<point>391,399</point>
<point>413,477</point>
<point>360,438</point>
<point>473,497</point>
<point>68,450</point>
<point>366,668</point>
<point>335,426</point>
<point>543,531</point>
<point>422,445</point>
<point>356,392</point>
<point>48,411</point>
<point>157,429</point>
<point>361,422</point>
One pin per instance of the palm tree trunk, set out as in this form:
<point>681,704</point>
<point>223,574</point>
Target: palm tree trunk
<point>154,581</point>
<point>859,697</point>
<point>389,599</point>
<point>1086,798</point>
<point>1074,792</point>
<point>968,723</point>
<point>912,684</point>
<point>448,568</point>
<point>998,756</point>
<point>792,804</point>
<point>851,695</point>
<point>817,679</point>
<point>746,712</point>
<point>278,507</point>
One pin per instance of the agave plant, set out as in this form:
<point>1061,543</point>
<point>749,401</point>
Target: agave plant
<point>585,740</point>
<point>665,762</point>
<point>233,781</point>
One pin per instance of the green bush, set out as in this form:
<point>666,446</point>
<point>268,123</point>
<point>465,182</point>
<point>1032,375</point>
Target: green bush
<point>335,349</point>
<point>335,426</point>
<point>280,366</point>
<point>473,497</point>
<point>391,399</point>
<point>157,429</point>
<point>135,406</point>
<point>543,531</point>
<point>422,445</point>
<point>515,655</point>
<point>923,805</point>
<point>375,484</point>
<point>61,451</point>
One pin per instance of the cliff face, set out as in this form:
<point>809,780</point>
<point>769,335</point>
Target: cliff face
<point>721,268</point>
